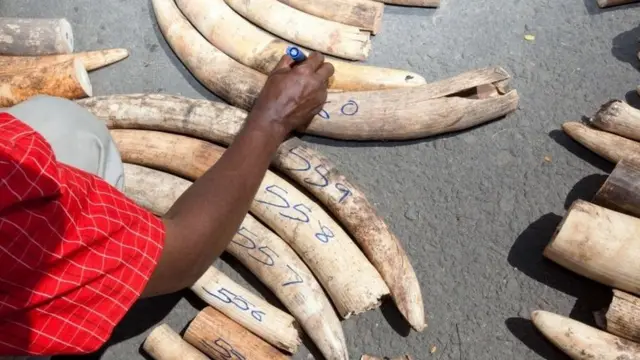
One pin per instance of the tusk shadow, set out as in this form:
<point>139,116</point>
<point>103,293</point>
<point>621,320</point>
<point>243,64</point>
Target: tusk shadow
<point>394,317</point>
<point>585,189</point>
<point>625,46</point>
<point>182,69</point>
<point>526,332</point>
<point>632,98</point>
<point>580,151</point>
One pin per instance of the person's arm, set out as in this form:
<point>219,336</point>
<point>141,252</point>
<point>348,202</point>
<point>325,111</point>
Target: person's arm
<point>204,219</point>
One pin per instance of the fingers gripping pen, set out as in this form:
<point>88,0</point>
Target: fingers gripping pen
<point>296,54</point>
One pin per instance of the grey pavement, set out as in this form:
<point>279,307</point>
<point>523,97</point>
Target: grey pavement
<point>474,209</point>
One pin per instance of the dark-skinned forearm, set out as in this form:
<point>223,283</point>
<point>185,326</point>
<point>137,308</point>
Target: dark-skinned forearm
<point>202,222</point>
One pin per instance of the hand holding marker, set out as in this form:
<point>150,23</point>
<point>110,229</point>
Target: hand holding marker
<point>296,54</point>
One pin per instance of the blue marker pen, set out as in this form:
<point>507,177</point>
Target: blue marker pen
<point>296,54</point>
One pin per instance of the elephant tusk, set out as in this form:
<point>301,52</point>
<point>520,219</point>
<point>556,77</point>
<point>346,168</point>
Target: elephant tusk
<point>363,14</point>
<point>599,244</point>
<point>623,316</point>
<point>221,338</point>
<point>610,146</point>
<point>351,281</point>
<point>310,31</point>
<point>255,314</point>
<point>620,191</point>
<point>92,60</point>
<point>68,79</point>
<point>219,123</point>
<point>165,344</point>
<point>583,342</point>
<point>421,3</point>
<point>34,37</point>
<point>261,51</point>
<point>619,118</point>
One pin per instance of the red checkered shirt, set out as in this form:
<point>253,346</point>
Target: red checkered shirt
<point>75,253</point>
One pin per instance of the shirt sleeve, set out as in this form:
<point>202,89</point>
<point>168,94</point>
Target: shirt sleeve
<point>75,253</point>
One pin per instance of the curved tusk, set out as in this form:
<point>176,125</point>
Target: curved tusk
<point>621,191</point>
<point>422,3</point>
<point>583,342</point>
<point>165,344</point>
<point>363,14</point>
<point>386,114</point>
<point>599,244</point>
<point>220,123</point>
<point>221,338</point>
<point>92,60</point>
<point>265,254</point>
<point>623,316</point>
<point>610,146</point>
<point>351,281</point>
<point>310,31</point>
<point>255,314</point>
<point>33,37</point>
<point>261,51</point>
<point>619,118</point>
<point>68,79</point>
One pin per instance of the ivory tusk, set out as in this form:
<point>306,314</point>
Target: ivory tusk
<point>621,191</point>
<point>221,338</point>
<point>610,146</point>
<point>623,316</point>
<point>351,281</point>
<point>421,3</point>
<point>92,60</point>
<point>619,118</point>
<point>262,51</point>
<point>33,37</point>
<point>265,254</point>
<point>310,31</point>
<point>165,344</point>
<point>255,314</point>
<point>363,14</point>
<point>220,123</point>
<point>599,244</point>
<point>583,342</point>
<point>610,3</point>
<point>69,80</point>
<point>368,115</point>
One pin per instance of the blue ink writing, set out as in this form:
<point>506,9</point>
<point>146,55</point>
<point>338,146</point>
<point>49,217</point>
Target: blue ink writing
<point>298,279</point>
<point>239,302</point>
<point>325,235</point>
<point>251,245</point>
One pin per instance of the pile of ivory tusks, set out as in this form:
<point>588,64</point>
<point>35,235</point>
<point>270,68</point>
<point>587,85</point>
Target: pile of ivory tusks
<point>36,58</point>
<point>598,239</point>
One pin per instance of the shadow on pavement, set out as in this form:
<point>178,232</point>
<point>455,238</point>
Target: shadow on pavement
<point>395,318</point>
<point>585,189</point>
<point>580,151</point>
<point>524,330</point>
<point>144,315</point>
<point>625,46</point>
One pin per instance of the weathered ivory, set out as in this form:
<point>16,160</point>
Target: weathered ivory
<point>33,37</point>
<point>583,342</point>
<point>610,146</point>
<point>609,3</point>
<point>255,314</point>
<point>165,344</point>
<point>222,339</point>
<point>600,244</point>
<point>264,253</point>
<point>422,3</point>
<point>257,49</point>
<point>68,79</point>
<point>404,113</point>
<point>620,118</point>
<point>220,123</point>
<point>364,14</point>
<point>623,316</point>
<point>621,191</point>
<point>92,60</point>
<point>326,36</point>
<point>351,281</point>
